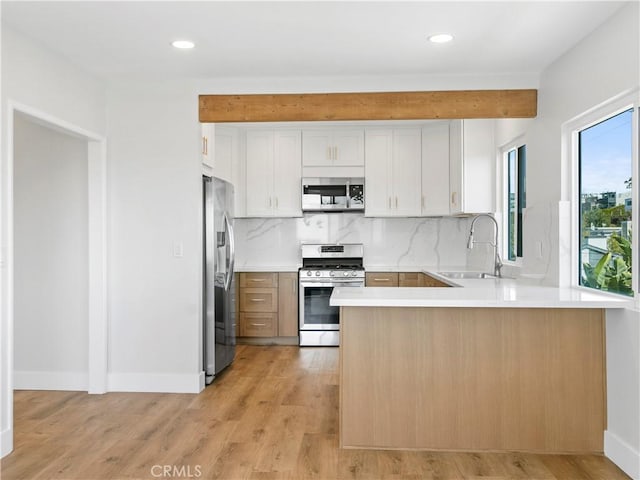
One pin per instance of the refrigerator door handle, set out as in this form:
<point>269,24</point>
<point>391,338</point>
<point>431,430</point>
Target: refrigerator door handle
<point>232,251</point>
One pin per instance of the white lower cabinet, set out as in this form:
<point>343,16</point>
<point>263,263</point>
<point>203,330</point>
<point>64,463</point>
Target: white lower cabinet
<point>393,172</point>
<point>273,173</point>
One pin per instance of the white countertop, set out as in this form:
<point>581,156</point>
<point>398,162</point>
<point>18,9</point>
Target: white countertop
<point>266,268</point>
<point>395,268</point>
<point>498,293</point>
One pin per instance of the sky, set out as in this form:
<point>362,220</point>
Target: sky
<point>605,155</point>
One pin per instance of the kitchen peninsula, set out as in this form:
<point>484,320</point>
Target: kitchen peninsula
<point>496,365</point>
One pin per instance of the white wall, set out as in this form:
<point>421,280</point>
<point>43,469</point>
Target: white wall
<point>34,77</point>
<point>50,259</point>
<point>154,178</point>
<point>602,66</point>
<point>622,438</point>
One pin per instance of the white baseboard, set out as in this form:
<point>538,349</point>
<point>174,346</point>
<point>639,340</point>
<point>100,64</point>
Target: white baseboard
<point>6,442</point>
<point>622,454</point>
<point>155,382</point>
<point>72,381</point>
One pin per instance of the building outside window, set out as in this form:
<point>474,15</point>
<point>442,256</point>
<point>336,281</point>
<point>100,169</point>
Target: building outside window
<point>605,171</point>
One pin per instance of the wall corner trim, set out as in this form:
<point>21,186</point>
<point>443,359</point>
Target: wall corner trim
<point>6,442</point>
<point>622,454</point>
<point>66,381</point>
<point>154,382</point>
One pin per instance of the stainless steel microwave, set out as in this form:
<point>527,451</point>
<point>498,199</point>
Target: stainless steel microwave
<point>332,194</point>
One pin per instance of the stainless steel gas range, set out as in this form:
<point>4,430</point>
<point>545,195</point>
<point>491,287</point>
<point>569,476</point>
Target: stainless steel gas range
<point>325,267</point>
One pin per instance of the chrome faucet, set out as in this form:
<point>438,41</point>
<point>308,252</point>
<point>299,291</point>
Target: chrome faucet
<point>497,263</point>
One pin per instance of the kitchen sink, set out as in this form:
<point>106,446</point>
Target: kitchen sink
<point>468,275</point>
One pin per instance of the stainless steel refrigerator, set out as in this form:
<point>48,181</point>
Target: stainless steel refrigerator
<point>219,315</point>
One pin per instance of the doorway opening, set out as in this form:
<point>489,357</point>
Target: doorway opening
<point>54,259</point>
<point>50,195</point>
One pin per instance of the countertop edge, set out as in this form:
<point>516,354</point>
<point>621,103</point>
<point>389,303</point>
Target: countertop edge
<point>267,268</point>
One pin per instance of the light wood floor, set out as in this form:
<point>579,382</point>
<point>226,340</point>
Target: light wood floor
<point>272,415</point>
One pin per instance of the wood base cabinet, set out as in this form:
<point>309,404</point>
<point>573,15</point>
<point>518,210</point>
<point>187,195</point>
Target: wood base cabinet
<point>381,279</point>
<point>504,379</point>
<point>268,307</point>
<point>402,279</point>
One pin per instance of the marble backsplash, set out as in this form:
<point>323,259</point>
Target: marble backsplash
<point>388,242</point>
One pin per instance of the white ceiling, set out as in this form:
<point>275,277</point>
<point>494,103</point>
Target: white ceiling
<point>238,39</point>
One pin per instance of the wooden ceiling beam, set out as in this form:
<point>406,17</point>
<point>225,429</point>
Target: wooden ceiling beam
<point>298,107</point>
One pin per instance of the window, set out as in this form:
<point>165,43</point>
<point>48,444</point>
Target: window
<point>515,200</point>
<point>605,171</point>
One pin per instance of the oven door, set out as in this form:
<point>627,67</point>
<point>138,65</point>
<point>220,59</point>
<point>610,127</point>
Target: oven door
<point>315,311</point>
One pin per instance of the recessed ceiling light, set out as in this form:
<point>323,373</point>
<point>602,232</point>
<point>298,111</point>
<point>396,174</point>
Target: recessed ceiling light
<point>183,44</point>
<point>441,38</point>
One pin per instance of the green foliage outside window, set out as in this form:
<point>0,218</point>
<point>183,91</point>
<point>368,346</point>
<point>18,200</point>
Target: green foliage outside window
<point>613,272</point>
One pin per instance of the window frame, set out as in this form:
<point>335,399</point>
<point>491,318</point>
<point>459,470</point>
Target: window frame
<point>515,144</point>
<point>571,189</point>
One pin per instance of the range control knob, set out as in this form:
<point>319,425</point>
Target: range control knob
<point>332,274</point>
<point>353,274</point>
<point>317,273</point>
<point>346,274</point>
<point>308,273</point>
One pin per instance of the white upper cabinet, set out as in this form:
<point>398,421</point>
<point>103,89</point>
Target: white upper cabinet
<point>273,173</point>
<point>227,164</point>
<point>342,147</point>
<point>378,188</point>
<point>393,172</point>
<point>225,153</point>
<point>472,166</point>
<point>435,169</point>
<point>206,144</point>
<point>287,173</point>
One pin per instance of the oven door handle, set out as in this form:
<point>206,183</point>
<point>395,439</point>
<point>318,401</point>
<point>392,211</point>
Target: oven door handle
<point>350,283</point>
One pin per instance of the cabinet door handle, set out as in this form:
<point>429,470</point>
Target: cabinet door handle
<point>453,198</point>
<point>257,280</point>
<point>389,203</point>
<point>396,202</point>
<point>335,153</point>
<point>422,201</point>
<point>257,299</point>
<point>276,202</point>
<point>269,202</point>
<point>381,279</point>
<point>204,145</point>
<point>258,324</point>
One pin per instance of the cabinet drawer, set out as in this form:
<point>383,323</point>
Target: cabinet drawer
<point>409,279</point>
<point>258,324</point>
<point>259,300</point>
<point>259,279</point>
<point>378,279</point>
